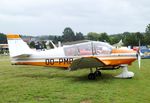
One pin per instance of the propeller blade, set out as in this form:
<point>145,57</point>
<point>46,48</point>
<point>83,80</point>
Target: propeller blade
<point>139,55</point>
<point>139,60</point>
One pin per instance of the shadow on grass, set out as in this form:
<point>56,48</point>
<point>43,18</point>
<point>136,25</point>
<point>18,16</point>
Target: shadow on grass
<point>70,77</point>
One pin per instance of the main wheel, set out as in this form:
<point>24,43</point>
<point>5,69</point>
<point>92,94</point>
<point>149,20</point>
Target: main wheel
<point>97,73</point>
<point>91,76</point>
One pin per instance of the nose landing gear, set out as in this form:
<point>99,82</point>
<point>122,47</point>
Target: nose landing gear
<point>125,73</point>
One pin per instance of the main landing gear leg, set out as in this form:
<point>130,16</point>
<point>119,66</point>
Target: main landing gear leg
<point>125,73</point>
<point>97,72</point>
<point>92,76</point>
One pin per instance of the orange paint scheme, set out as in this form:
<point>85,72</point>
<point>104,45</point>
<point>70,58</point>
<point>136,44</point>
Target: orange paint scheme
<point>55,64</point>
<point>123,51</point>
<point>13,36</point>
<point>110,61</point>
<point>118,61</point>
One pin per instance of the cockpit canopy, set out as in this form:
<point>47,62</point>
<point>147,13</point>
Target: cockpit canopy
<point>88,48</point>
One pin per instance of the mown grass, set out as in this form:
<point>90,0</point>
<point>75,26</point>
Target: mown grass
<point>31,84</point>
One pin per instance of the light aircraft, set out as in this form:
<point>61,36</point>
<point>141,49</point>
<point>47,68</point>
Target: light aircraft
<point>88,55</point>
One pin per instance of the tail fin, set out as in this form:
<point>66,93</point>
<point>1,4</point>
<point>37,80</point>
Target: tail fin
<point>17,46</point>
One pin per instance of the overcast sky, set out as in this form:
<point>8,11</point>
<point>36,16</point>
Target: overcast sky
<point>45,17</point>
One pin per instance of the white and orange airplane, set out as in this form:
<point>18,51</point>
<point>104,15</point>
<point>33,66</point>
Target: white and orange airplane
<point>92,54</point>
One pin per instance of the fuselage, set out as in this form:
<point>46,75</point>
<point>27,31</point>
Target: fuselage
<point>64,56</point>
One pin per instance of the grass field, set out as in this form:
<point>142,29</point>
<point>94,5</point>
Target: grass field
<point>30,84</point>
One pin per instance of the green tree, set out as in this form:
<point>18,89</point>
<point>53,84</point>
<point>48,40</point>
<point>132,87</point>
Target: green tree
<point>104,37</point>
<point>147,35</point>
<point>128,39</point>
<point>68,35</point>
<point>32,44</point>
<point>44,45</point>
<point>139,37</point>
<point>51,37</point>
<point>147,30</point>
<point>93,36</point>
<point>55,40</point>
<point>59,38</point>
<point>79,36</point>
<point>3,39</point>
<point>115,38</point>
<point>133,39</point>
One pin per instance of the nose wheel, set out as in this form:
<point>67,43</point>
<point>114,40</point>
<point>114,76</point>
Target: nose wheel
<point>92,76</point>
<point>125,73</point>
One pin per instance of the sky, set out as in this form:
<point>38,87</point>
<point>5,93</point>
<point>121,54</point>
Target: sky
<point>50,17</point>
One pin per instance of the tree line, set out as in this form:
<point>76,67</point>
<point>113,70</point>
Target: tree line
<point>128,38</point>
<point>3,39</point>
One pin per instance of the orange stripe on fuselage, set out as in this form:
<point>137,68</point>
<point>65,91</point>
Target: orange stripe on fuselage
<point>55,64</point>
<point>121,60</point>
<point>114,51</point>
<point>118,61</point>
<point>13,36</point>
<point>107,61</point>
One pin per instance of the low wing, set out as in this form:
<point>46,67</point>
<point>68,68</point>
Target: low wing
<point>86,62</point>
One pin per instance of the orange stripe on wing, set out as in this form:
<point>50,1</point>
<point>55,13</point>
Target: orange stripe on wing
<point>13,36</point>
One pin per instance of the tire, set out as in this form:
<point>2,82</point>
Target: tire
<point>91,76</point>
<point>98,73</point>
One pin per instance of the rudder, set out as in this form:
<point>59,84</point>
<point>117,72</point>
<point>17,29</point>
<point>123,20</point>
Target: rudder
<point>17,46</point>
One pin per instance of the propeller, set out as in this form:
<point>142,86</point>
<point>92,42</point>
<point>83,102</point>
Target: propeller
<point>139,60</point>
<point>139,55</point>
